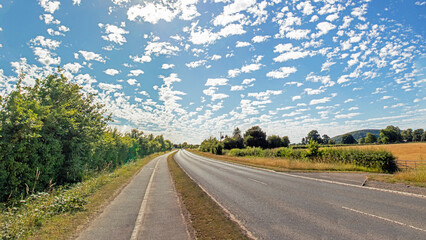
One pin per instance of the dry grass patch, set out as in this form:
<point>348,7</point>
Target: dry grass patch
<point>282,164</point>
<point>207,219</point>
<point>415,177</point>
<point>68,224</point>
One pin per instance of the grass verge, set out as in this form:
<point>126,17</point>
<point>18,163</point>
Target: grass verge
<point>282,164</point>
<point>415,177</point>
<point>207,219</point>
<point>39,217</point>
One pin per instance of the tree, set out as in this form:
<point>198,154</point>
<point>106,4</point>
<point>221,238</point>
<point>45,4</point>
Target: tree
<point>274,141</point>
<point>238,138</point>
<point>313,136</point>
<point>390,134</point>
<point>407,135</point>
<point>286,141</point>
<point>229,143</point>
<point>370,138</point>
<point>348,139</point>
<point>255,137</point>
<point>423,139</point>
<point>325,139</point>
<point>417,135</point>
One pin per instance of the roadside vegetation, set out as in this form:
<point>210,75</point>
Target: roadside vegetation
<point>59,213</point>
<point>206,217</point>
<point>53,134</point>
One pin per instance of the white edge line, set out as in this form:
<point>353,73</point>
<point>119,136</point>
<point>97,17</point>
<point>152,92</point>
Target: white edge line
<point>141,213</point>
<point>254,180</point>
<point>383,218</point>
<point>320,180</point>
<point>231,216</point>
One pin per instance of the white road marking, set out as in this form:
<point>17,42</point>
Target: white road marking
<point>142,209</point>
<point>383,218</point>
<point>254,180</point>
<point>309,178</point>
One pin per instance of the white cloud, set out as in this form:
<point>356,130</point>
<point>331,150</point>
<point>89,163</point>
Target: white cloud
<point>259,39</point>
<point>45,42</point>
<point>73,67</point>
<point>282,72</point>
<point>46,57</point>
<point>195,64</point>
<point>167,66</point>
<point>283,47</point>
<point>164,48</point>
<point>216,57</point>
<point>142,59</point>
<point>248,81</point>
<point>305,7</point>
<point>349,115</point>
<point>223,20</point>
<point>151,13</point>
<point>324,28</point>
<point>242,44</point>
<point>291,56</point>
<point>111,71</point>
<point>76,2</point>
<point>216,82</point>
<point>296,98</point>
<point>318,101</point>
<point>132,81</point>
<point>114,34</point>
<point>237,88</point>
<point>49,19</point>
<point>135,73</point>
<point>88,56</point>
<point>298,34</point>
<point>109,87</point>
<point>263,96</point>
<point>203,36</point>
<point>238,6</point>
<point>232,29</point>
<point>49,6</point>
<point>251,67</point>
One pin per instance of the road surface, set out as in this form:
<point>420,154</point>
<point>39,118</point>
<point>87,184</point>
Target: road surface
<point>147,208</point>
<point>282,206</point>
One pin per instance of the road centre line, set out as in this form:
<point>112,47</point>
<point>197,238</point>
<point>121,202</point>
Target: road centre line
<point>254,180</point>
<point>383,218</point>
<point>142,209</point>
<point>310,178</point>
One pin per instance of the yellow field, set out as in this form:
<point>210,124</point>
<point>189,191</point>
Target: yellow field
<point>406,151</point>
<point>411,155</point>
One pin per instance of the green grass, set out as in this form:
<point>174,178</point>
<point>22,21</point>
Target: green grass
<point>415,177</point>
<point>61,213</point>
<point>207,218</point>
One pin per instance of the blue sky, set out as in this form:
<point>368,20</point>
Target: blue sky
<point>190,69</point>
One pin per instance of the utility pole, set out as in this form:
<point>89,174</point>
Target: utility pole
<point>221,137</point>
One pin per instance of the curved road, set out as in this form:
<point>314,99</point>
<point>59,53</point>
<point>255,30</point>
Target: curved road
<point>284,206</point>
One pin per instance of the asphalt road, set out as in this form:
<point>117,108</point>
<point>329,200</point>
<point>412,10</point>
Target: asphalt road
<point>282,206</point>
<point>147,208</point>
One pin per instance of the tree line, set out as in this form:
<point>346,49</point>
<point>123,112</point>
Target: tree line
<point>253,137</point>
<point>53,134</point>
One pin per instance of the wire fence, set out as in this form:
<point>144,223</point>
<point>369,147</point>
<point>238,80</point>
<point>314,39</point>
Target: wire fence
<point>411,164</point>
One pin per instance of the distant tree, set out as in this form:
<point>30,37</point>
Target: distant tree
<point>274,141</point>
<point>211,145</point>
<point>417,135</point>
<point>238,138</point>
<point>255,137</point>
<point>229,143</point>
<point>370,138</point>
<point>313,136</point>
<point>407,135</point>
<point>390,134</point>
<point>303,141</point>
<point>325,139</point>
<point>423,139</point>
<point>361,140</point>
<point>348,139</point>
<point>286,141</point>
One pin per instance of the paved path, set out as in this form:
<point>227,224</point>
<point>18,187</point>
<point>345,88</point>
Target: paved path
<point>147,208</point>
<point>285,206</point>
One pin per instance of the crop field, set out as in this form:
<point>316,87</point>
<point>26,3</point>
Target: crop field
<point>408,154</point>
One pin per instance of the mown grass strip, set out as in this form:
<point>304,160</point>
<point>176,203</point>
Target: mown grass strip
<point>282,164</point>
<point>207,219</point>
<point>68,224</point>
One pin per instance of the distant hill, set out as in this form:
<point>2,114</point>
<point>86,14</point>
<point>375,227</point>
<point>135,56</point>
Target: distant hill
<point>358,134</point>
